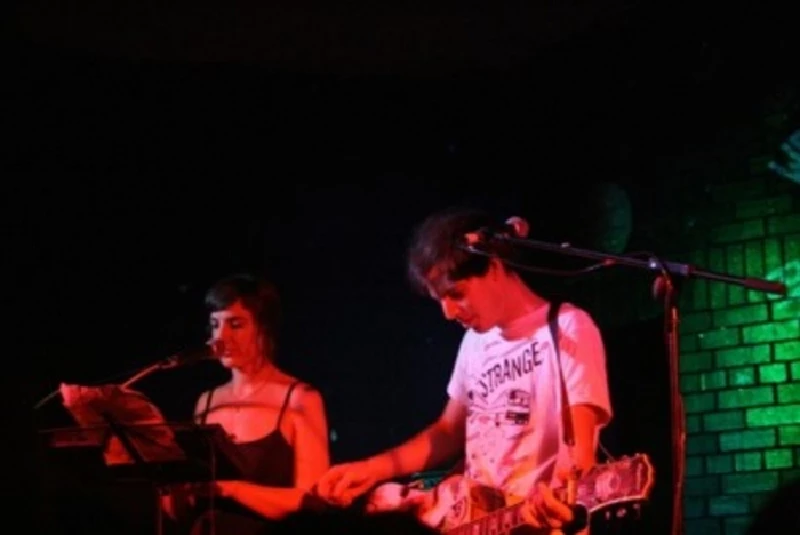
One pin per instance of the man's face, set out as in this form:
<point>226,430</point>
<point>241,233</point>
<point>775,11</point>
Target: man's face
<point>236,328</point>
<point>471,302</point>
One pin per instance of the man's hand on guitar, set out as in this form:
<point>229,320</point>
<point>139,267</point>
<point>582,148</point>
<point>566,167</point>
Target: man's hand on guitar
<point>343,483</point>
<point>397,497</point>
<point>544,510</point>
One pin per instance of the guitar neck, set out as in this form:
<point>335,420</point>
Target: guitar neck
<point>500,521</point>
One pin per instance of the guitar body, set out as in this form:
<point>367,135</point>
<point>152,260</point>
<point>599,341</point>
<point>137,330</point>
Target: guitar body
<point>459,506</point>
<point>464,503</point>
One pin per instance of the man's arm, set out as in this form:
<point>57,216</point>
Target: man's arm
<point>585,420</point>
<point>439,442</point>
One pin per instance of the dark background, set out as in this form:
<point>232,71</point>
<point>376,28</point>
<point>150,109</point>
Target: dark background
<point>152,149</point>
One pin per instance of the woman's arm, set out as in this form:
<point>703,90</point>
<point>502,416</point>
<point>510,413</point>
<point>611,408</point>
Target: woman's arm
<point>269,502</point>
<point>311,451</point>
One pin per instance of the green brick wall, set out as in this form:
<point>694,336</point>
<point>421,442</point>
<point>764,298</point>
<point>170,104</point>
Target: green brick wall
<point>740,356</point>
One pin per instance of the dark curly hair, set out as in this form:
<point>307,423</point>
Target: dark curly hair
<point>257,295</point>
<point>439,242</point>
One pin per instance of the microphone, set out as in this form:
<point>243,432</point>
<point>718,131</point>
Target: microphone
<point>211,350</point>
<point>514,226</point>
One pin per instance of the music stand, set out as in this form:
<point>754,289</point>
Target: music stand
<point>122,437</point>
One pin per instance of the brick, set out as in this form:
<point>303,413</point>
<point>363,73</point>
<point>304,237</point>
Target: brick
<point>700,300</point>
<point>702,486</point>
<point>697,257</point>
<point>772,373</point>
<point>751,208</point>
<point>783,224</point>
<point>789,435</point>
<point>702,444</point>
<point>794,368</point>
<point>702,526</point>
<point>713,380</point>
<point>717,295</point>
<point>747,461</point>
<point>754,258</point>
<point>789,350</point>
<point>774,416</point>
<point>695,465</point>
<point>716,260</point>
<point>689,343</point>
<point>693,362</point>
<point>785,309</point>
<point>736,504</point>
<point>737,295</point>
<point>754,296</point>
<point>695,322</point>
<point>748,482</point>
<point>738,231</point>
<point>723,421</point>
<point>746,397</point>
<point>717,291</point>
<point>690,383</point>
<point>770,332</point>
<point>789,476</point>
<point>773,255</point>
<point>742,376</point>
<point>737,525</point>
<point>754,267</point>
<point>694,507</point>
<point>751,439</point>
<point>722,337</point>
<point>734,255</point>
<point>788,393</point>
<point>776,459</point>
<point>694,403</point>
<point>740,315</point>
<point>719,464</point>
<point>740,356</point>
<point>791,246</point>
<point>790,276</point>
<point>693,424</point>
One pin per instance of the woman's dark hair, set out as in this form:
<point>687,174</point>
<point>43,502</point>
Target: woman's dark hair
<point>439,242</point>
<point>257,295</point>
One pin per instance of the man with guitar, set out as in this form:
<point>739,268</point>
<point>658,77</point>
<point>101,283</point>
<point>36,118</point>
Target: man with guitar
<point>507,390</point>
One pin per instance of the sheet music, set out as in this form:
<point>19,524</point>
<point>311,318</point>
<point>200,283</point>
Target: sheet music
<point>144,425</point>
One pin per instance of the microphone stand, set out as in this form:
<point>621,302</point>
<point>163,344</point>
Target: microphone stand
<point>666,270</point>
<point>163,364</point>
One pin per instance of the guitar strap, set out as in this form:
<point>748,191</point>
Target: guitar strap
<point>581,517</point>
<point>567,428</point>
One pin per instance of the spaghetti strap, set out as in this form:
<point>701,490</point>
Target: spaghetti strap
<point>208,405</point>
<point>286,403</point>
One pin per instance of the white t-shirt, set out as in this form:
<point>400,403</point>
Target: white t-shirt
<point>511,389</point>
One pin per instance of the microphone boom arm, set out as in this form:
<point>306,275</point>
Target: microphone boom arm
<point>651,264</point>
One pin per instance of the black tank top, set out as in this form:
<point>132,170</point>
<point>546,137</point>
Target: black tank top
<point>269,460</point>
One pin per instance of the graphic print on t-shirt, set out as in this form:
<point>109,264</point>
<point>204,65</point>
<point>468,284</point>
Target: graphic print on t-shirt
<point>500,399</point>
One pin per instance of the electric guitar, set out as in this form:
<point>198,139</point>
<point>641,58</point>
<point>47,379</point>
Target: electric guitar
<point>456,506</point>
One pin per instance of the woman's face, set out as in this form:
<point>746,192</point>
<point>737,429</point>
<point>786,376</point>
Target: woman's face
<point>241,338</point>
